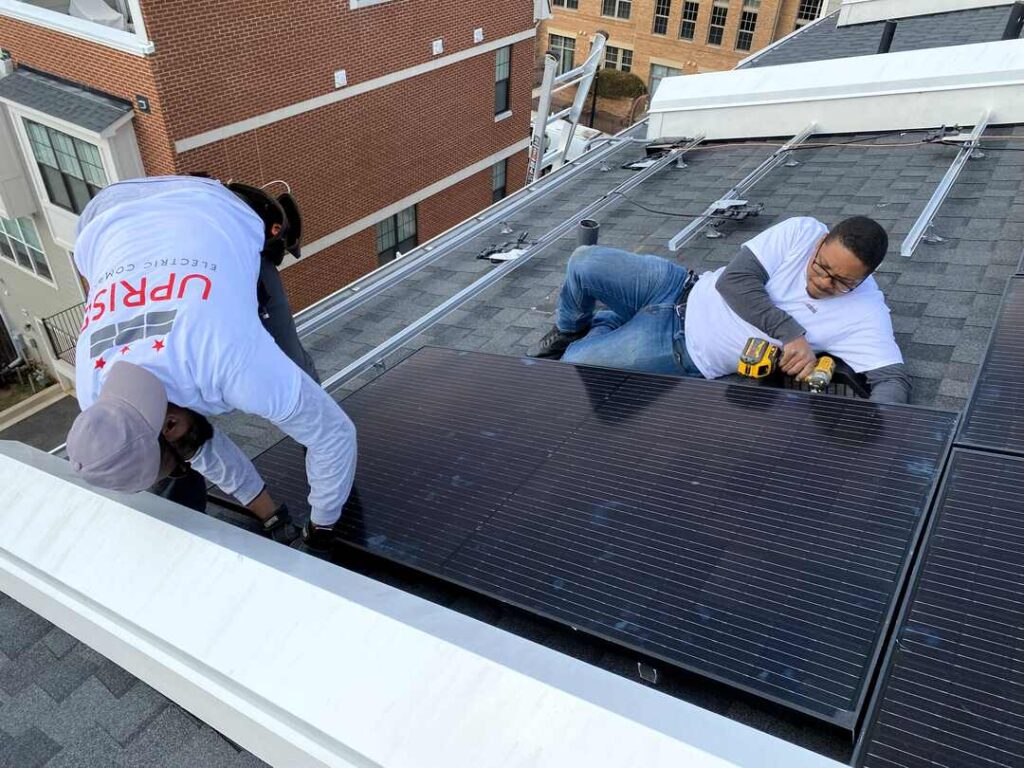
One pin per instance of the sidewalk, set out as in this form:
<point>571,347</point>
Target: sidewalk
<point>46,429</point>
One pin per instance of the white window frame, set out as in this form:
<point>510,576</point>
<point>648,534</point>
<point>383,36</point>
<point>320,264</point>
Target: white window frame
<point>136,43</point>
<point>50,281</point>
<point>123,164</point>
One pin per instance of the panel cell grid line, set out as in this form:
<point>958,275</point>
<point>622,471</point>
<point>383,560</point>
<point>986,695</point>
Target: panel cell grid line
<point>994,418</point>
<point>755,536</point>
<point>952,693</point>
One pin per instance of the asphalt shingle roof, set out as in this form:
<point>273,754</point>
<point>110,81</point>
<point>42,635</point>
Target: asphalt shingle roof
<point>63,100</point>
<point>825,40</point>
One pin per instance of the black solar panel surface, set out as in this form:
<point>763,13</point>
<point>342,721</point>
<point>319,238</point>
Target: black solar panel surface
<point>994,417</point>
<point>953,694</point>
<point>755,536</point>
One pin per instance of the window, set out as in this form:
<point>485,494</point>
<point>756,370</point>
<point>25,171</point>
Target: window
<point>662,8</point>
<point>572,5</point>
<point>620,9</point>
<point>19,242</point>
<point>499,174</point>
<point>808,11</point>
<point>72,169</point>
<point>719,13</point>
<point>502,75</point>
<point>396,234</point>
<point>748,23</point>
<point>618,58</point>
<point>688,26</point>
<point>564,48</point>
<point>658,72</point>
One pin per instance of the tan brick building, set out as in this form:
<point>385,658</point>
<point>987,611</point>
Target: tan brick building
<point>659,38</point>
<point>392,120</point>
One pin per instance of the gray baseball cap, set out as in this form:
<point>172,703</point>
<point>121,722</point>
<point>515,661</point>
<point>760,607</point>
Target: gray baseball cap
<point>114,443</point>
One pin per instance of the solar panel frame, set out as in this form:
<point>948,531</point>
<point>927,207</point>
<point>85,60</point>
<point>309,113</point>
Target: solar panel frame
<point>876,708</point>
<point>972,433</point>
<point>846,719</point>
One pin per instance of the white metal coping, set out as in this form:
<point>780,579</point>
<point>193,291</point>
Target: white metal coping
<point>204,613</point>
<point>894,91</point>
<point>864,11</point>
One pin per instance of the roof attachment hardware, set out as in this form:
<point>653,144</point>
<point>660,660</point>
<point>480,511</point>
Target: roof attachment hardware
<point>647,673</point>
<point>924,221</point>
<point>730,210</point>
<point>736,193</point>
<point>510,249</point>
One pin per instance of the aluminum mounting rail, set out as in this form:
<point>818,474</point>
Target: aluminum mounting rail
<point>380,352</point>
<point>924,221</point>
<point>329,309</point>
<point>770,164</point>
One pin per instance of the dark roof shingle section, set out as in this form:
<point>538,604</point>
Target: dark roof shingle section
<point>825,40</point>
<point>62,100</point>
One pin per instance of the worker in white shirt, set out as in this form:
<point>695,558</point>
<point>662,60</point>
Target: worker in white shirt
<point>806,288</point>
<point>184,321</point>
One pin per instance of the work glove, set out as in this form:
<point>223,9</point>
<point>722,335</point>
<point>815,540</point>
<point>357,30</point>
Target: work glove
<point>280,528</point>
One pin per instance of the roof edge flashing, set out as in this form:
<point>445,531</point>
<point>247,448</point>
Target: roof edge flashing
<point>866,11</point>
<point>900,91</point>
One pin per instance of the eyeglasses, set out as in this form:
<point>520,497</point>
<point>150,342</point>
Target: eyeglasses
<point>841,284</point>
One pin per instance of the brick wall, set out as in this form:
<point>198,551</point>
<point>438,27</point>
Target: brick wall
<point>352,158</point>
<point>775,19</point>
<point>337,266</point>
<point>217,63</point>
<point>117,73</point>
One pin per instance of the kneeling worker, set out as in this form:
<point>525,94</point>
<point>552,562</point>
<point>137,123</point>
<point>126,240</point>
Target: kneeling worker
<point>806,288</point>
<point>185,320</point>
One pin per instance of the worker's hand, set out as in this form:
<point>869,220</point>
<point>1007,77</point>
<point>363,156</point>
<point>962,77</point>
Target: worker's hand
<point>798,359</point>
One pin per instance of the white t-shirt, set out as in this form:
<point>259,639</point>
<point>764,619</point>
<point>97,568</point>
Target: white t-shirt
<point>172,265</point>
<point>854,326</point>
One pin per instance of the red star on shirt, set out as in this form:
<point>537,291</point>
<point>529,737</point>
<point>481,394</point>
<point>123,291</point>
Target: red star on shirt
<point>124,349</point>
<point>158,345</point>
<point>100,363</point>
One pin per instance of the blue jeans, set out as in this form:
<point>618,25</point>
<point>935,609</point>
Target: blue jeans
<point>640,330</point>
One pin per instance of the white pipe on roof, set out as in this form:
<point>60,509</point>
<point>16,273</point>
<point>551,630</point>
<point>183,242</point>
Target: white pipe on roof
<point>306,664</point>
<point>894,91</point>
<point>864,11</point>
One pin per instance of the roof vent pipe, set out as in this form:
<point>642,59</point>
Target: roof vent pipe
<point>587,232</point>
<point>1015,23</point>
<point>888,33</point>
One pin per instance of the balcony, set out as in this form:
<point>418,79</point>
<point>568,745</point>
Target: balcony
<point>63,330</point>
<point>113,23</point>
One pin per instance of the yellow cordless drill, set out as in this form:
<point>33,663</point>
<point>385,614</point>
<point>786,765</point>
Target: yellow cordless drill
<point>760,356</point>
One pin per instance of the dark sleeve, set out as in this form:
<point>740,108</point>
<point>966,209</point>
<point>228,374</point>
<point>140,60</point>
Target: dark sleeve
<point>889,384</point>
<point>742,285</point>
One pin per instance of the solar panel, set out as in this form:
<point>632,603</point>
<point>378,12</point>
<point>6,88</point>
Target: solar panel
<point>755,536</point>
<point>995,413</point>
<point>953,690</point>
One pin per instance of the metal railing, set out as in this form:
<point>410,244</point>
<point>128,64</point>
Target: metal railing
<point>62,331</point>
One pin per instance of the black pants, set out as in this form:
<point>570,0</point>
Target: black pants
<point>276,315</point>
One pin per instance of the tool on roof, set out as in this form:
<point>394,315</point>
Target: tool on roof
<point>758,359</point>
<point>822,374</point>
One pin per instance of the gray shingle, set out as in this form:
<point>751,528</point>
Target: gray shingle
<point>63,100</point>
<point>825,40</point>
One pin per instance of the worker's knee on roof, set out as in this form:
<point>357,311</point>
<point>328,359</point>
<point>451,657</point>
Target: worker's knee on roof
<point>581,257</point>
